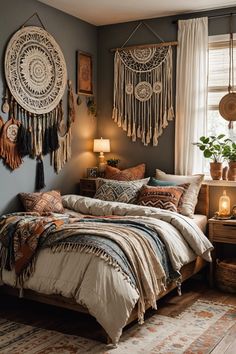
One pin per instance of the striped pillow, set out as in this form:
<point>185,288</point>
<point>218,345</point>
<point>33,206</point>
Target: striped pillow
<point>129,174</point>
<point>167,198</point>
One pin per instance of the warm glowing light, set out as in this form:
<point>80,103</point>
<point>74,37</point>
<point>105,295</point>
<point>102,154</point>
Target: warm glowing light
<point>101,146</point>
<point>224,205</point>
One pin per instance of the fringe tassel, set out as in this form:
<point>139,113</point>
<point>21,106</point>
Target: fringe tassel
<point>71,103</point>
<point>53,138</point>
<point>39,184</point>
<point>24,142</point>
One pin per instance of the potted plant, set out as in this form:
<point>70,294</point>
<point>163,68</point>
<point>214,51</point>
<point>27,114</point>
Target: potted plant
<point>113,162</point>
<point>229,154</point>
<point>213,148</point>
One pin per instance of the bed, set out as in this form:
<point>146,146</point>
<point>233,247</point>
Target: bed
<point>88,283</point>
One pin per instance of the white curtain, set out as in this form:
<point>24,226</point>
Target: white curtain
<point>191,94</point>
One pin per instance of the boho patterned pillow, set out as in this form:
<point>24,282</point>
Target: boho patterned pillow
<point>161,197</point>
<point>129,174</point>
<point>42,202</point>
<point>191,196</point>
<point>118,191</point>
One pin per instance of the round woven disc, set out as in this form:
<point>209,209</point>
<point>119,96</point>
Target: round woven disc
<point>227,106</point>
<point>35,70</point>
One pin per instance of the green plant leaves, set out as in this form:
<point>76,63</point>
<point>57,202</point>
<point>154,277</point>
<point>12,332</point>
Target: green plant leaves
<point>217,148</point>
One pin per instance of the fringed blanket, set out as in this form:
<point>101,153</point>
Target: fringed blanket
<point>130,246</point>
<point>21,235</point>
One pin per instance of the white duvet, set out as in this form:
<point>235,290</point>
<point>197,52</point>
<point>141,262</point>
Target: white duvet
<point>93,283</point>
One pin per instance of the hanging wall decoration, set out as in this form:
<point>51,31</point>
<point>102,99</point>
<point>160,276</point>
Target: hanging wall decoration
<point>8,144</point>
<point>227,105</point>
<point>143,90</point>
<point>35,70</point>
<point>36,78</point>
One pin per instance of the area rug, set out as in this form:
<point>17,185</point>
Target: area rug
<point>196,330</point>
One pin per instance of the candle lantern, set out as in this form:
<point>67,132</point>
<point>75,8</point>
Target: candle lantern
<point>224,205</point>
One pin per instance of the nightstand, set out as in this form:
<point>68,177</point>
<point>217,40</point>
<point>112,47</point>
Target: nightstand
<point>220,231</point>
<point>87,186</point>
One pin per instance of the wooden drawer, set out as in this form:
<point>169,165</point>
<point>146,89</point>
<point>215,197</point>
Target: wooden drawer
<point>88,187</point>
<point>224,232</point>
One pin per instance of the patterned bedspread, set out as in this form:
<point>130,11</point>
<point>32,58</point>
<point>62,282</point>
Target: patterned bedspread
<point>106,264</point>
<point>129,245</point>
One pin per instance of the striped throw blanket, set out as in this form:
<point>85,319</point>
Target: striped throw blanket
<point>129,245</point>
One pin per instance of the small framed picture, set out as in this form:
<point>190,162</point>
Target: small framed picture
<point>92,172</point>
<point>84,73</point>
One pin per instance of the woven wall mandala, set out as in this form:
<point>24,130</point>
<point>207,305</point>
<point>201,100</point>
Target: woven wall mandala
<point>143,91</point>
<point>142,103</point>
<point>35,70</point>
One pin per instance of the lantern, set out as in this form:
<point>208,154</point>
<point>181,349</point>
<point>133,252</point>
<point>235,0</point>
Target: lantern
<point>224,205</point>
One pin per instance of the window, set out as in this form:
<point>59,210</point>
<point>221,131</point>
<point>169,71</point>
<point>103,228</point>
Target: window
<point>218,81</point>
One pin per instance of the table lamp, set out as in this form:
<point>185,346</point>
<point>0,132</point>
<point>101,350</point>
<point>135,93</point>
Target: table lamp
<point>101,146</point>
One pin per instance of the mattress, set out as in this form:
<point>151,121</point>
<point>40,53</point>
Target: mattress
<point>201,221</point>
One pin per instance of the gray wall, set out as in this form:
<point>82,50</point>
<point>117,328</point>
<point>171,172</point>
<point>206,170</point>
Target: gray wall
<point>71,34</point>
<point>129,153</point>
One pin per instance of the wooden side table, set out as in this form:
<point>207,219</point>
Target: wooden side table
<point>87,186</point>
<point>220,231</point>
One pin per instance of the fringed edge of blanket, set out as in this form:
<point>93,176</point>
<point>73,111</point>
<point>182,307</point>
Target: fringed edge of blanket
<point>98,252</point>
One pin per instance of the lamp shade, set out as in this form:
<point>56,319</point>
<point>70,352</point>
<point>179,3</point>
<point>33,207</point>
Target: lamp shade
<point>101,145</point>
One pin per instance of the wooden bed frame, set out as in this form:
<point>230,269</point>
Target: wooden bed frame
<point>187,271</point>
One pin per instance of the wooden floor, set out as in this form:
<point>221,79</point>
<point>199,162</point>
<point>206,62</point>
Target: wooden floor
<point>70,322</point>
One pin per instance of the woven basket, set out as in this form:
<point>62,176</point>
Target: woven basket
<point>226,275</point>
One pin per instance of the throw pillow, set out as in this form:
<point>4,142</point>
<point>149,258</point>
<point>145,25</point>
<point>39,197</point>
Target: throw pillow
<point>156,182</point>
<point>118,191</point>
<point>129,174</point>
<point>160,197</point>
<point>191,196</point>
<point>42,202</point>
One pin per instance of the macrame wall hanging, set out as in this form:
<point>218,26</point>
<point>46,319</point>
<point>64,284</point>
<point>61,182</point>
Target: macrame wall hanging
<point>36,78</point>
<point>143,89</point>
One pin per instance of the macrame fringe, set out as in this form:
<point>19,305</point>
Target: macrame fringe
<point>38,135</point>
<point>63,153</point>
<point>71,104</point>
<point>143,117</point>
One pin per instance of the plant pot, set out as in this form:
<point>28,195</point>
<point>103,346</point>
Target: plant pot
<point>232,171</point>
<point>216,170</point>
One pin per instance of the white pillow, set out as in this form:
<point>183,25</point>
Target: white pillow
<point>191,196</point>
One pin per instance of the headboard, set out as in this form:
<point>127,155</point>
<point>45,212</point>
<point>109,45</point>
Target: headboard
<point>202,206</point>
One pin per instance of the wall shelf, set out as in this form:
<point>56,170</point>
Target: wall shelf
<point>219,183</point>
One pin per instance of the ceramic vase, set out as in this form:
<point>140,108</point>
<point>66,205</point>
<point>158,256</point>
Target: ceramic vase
<point>216,170</point>
<point>232,171</point>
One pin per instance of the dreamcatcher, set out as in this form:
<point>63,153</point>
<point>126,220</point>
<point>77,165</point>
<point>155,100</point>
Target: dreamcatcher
<point>36,78</point>
<point>8,143</point>
<point>143,90</point>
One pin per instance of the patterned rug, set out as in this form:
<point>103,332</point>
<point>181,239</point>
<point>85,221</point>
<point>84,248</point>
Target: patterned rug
<point>196,330</point>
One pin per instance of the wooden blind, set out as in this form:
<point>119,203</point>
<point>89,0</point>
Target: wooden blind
<point>218,75</point>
